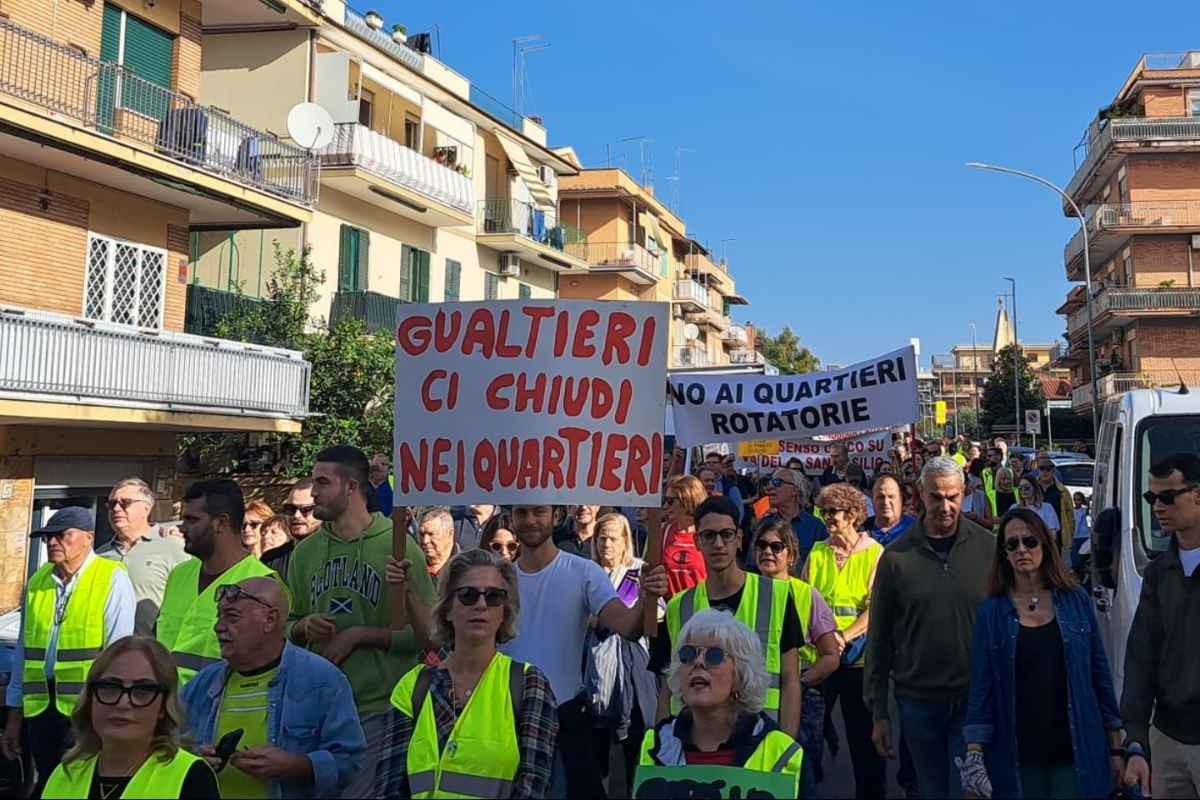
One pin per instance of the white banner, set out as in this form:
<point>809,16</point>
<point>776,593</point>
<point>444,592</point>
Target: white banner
<point>869,451</point>
<point>880,393</point>
<point>528,401</point>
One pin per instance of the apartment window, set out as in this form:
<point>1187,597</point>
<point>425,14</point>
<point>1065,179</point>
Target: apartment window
<point>125,282</point>
<point>414,275</point>
<point>412,133</point>
<point>366,107</point>
<point>491,286</point>
<point>1127,261</point>
<point>1193,97</point>
<point>664,262</point>
<point>143,50</point>
<point>354,258</point>
<point>1122,186</point>
<point>453,280</point>
<point>523,291</point>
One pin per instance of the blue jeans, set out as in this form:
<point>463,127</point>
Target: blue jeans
<point>934,735</point>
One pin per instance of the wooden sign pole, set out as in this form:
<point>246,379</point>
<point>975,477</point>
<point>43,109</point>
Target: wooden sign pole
<point>400,517</point>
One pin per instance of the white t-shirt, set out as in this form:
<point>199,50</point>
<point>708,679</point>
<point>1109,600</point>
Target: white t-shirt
<point>555,605</point>
<point>1049,517</point>
<point>1190,559</point>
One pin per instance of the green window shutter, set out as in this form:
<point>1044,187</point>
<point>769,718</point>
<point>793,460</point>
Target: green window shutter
<point>148,55</point>
<point>422,273</point>
<point>491,286</point>
<point>453,280</point>
<point>110,34</point>
<point>725,310</point>
<point>406,273</point>
<point>110,52</point>
<point>347,259</point>
<point>364,260</point>
<point>523,291</point>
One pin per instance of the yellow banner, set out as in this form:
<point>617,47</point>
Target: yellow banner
<point>939,412</point>
<point>758,447</point>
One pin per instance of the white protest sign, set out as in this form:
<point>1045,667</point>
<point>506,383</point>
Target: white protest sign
<point>869,451</point>
<point>880,393</point>
<point>528,401</point>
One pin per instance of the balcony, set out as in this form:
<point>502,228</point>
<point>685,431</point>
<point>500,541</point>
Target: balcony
<point>688,356</point>
<point>533,233</point>
<point>701,264</point>
<point>690,294</point>
<point>1106,142</point>
<point>357,25</point>
<point>53,91</point>
<point>1116,383</point>
<point>746,357</point>
<point>376,311</point>
<point>735,335</point>
<point>178,380</point>
<point>206,307</point>
<point>1111,225</point>
<point>631,261</point>
<point>1110,304</point>
<point>708,318</point>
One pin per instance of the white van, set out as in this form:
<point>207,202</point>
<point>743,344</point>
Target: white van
<point>1138,429</point>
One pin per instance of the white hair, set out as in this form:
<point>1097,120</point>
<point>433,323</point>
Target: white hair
<point>144,492</point>
<point>941,467</point>
<point>437,514</point>
<point>739,643</point>
<point>803,487</point>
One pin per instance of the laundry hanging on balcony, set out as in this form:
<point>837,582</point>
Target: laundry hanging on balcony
<point>524,167</point>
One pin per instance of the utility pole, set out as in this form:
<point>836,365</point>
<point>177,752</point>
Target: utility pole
<point>975,368</point>
<point>1016,357</point>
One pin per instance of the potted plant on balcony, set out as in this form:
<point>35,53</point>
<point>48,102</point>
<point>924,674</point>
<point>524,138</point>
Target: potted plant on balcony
<point>374,20</point>
<point>399,33</point>
<point>463,169</point>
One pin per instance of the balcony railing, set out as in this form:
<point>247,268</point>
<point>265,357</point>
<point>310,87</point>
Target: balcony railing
<point>83,361</point>
<point>615,254</point>
<point>689,357</point>
<point>357,145</point>
<point>376,311</point>
<point>113,101</point>
<point>1115,383</point>
<point>1127,300</point>
<point>497,109</point>
<point>206,307</point>
<point>709,317</point>
<point>691,292</point>
<point>1109,216</point>
<point>1130,129</point>
<point>523,219</point>
<point>700,262</point>
<point>746,357</point>
<point>1185,59</point>
<point>736,334</point>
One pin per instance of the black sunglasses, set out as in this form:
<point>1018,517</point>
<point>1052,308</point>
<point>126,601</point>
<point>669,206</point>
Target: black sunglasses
<point>775,547</point>
<point>231,593</point>
<point>1030,542</point>
<point>140,694</point>
<point>469,596</point>
<point>777,482</point>
<point>726,535</point>
<point>123,502</point>
<point>713,656</point>
<point>506,547</point>
<point>1166,497</point>
<point>292,508</point>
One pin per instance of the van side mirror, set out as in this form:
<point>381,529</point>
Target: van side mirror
<point>1106,542</point>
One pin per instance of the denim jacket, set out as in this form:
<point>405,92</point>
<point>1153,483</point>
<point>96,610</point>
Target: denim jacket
<point>1091,702</point>
<point>310,711</point>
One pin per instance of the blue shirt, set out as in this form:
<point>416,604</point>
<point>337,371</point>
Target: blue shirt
<point>385,497</point>
<point>809,530</point>
<point>886,537</point>
<point>310,712</point>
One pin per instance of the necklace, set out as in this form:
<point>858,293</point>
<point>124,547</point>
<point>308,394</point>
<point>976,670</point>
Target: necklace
<point>119,781</point>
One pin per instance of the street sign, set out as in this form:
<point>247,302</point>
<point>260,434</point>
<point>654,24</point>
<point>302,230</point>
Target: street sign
<point>1033,421</point>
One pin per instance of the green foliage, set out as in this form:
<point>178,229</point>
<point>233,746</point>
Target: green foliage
<point>785,352</point>
<point>966,422</point>
<point>997,404</point>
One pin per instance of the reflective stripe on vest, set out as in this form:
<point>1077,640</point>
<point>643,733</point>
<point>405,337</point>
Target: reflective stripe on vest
<point>153,779</point>
<point>80,634</point>
<point>761,608</point>
<point>846,590</point>
<point>481,755</point>
<point>777,752</point>
<point>186,619</point>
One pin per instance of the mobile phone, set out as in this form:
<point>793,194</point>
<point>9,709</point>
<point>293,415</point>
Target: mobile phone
<point>227,746</point>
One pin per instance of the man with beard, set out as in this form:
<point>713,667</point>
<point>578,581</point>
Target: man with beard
<point>212,532</point>
<point>302,523</point>
<point>559,592</point>
<point>341,604</point>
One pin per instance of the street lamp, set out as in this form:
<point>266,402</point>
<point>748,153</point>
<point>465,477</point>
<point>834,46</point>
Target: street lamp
<point>1087,276</point>
<point>1016,357</point>
<point>975,372</point>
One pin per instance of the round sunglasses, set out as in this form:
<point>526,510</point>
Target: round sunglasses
<point>713,656</point>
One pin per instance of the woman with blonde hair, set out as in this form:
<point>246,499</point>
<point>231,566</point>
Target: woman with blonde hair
<point>685,564</point>
<point>479,724</point>
<point>127,732</point>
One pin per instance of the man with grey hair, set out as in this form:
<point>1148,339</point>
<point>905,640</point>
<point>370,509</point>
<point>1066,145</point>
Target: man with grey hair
<point>435,535</point>
<point>928,585</point>
<point>789,492</point>
<point>148,551</point>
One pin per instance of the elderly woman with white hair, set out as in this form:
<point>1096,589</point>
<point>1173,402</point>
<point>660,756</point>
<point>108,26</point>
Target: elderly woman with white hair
<point>718,673</point>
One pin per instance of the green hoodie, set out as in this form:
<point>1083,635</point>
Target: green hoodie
<point>330,575</point>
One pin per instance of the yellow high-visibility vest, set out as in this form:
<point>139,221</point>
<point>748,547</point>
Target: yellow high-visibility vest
<point>154,779</point>
<point>801,592</point>
<point>80,634</point>
<point>761,609</point>
<point>777,752</point>
<point>988,476</point>
<point>481,756</point>
<point>848,590</point>
<point>186,617</point>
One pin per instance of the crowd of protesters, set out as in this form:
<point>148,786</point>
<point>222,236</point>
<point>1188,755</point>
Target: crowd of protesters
<point>252,654</point>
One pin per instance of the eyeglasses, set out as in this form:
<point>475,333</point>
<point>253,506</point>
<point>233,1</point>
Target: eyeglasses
<point>231,593</point>
<point>1167,496</point>
<point>713,656</point>
<point>505,547</point>
<point>292,508</point>
<point>1030,542</point>
<point>777,482</point>
<point>469,596</point>
<point>831,512</point>
<point>726,534</point>
<point>671,498</point>
<point>140,694</point>
<point>123,502</point>
<point>775,547</point>
<point>252,524</point>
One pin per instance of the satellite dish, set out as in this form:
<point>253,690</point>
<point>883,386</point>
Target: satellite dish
<point>691,332</point>
<point>310,126</point>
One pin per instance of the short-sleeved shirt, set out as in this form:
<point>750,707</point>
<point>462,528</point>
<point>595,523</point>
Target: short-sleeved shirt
<point>1049,516</point>
<point>683,560</point>
<point>556,602</point>
<point>791,637</point>
<point>149,561</point>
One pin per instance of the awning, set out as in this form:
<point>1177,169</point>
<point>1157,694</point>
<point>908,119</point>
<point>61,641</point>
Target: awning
<point>391,84</point>
<point>650,226</point>
<point>737,300</point>
<point>524,167</point>
<point>449,124</point>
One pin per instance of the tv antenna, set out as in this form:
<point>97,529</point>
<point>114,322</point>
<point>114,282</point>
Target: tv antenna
<point>642,142</point>
<point>679,151</point>
<point>522,45</point>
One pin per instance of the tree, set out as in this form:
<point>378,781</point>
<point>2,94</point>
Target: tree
<point>997,406</point>
<point>350,392</point>
<point>966,422</point>
<point>785,352</point>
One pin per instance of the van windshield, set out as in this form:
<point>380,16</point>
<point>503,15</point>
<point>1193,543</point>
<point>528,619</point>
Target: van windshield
<point>1159,437</point>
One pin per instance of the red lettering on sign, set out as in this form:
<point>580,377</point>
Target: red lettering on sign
<point>647,347</point>
<point>504,348</point>
<point>413,334</point>
<point>492,396</point>
<point>552,456</point>
<point>440,448</point>
<point>582,347</point>
<point>616,339</point>
<point>536,314</point>
<point>481,333</point>
<point>575,438</point>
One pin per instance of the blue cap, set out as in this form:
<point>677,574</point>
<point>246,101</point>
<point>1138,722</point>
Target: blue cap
<point>69,517</point>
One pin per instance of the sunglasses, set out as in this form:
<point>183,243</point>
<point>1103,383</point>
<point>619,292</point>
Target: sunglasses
<point>141,694</point>
<point>292,508</point>
<point>231,593</point>
<point>726,535</point>
<point>503,547</point>
<point>123,502</point>
<point>713,656</point>
<point>775,547</point>
<point>252,524</point>
<point>669,499</point>
<point>829,512</point>
<point>777,482</point>
<point>1030,542</point>
<point>469,596</point>
<point>1167,497</point>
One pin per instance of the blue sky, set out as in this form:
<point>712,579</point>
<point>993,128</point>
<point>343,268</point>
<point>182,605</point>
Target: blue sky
<point>830,140</point>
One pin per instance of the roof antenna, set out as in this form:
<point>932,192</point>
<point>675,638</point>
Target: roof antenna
<point>1183,389</point>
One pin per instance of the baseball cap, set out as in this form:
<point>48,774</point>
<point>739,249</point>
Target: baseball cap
<point>69,517</point>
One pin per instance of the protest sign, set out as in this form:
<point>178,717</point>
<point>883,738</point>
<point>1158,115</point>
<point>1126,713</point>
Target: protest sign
<point>869,451</point>
<point>758,448</point>
<point>668,783</point>
<point>879,393</point>
<point>530,401</point>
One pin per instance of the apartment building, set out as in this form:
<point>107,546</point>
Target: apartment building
<point>1137,178</point>
<point>430,190</point>
<point>635,248</point>
<point>108,164</point>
